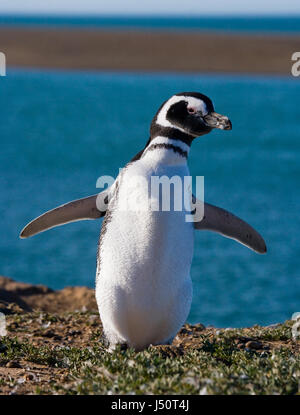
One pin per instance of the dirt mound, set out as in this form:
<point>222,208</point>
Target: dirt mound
<point>18,296</point>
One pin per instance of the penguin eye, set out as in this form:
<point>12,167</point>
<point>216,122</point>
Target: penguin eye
<point>191,110</point>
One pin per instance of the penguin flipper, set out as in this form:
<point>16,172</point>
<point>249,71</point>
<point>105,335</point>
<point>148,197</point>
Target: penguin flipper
<point>92,207</point>
<point>227,224</point>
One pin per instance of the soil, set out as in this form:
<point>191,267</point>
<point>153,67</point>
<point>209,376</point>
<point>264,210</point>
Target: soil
<point>40,317</point>
<point>16,296</point>
<point>145,50</point>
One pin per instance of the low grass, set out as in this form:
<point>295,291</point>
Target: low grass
<point>201,361</point>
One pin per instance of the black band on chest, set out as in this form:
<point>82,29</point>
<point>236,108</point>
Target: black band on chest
<point>172,147</point>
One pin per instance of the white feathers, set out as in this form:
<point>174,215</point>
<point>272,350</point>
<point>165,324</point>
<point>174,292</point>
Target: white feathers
<point>193,102</point>
<point>164,155</point>
<point>144,289</point>
<point>166,140</point>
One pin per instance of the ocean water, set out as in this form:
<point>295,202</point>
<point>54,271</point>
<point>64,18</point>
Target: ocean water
<point>269,24</point>
<point>61,130</point>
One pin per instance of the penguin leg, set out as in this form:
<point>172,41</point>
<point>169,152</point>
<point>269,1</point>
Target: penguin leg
<point>169,341</point>
<point>112,347</point>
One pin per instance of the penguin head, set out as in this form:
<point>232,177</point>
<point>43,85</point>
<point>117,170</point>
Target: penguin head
<point>191,113</point>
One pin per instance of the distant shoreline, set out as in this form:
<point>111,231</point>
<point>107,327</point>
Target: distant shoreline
<point>147,50</point>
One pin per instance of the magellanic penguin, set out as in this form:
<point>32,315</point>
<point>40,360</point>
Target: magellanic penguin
<point>143,283</point>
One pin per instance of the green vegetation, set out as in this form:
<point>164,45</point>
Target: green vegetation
<point>207,361</point>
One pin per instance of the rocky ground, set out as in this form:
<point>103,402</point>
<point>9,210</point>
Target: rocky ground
<point>54,345</point>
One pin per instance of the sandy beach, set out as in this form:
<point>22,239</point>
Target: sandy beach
<point>94,49</point>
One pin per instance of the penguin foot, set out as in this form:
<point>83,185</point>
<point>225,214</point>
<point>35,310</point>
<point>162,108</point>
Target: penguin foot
<point>112,347</point>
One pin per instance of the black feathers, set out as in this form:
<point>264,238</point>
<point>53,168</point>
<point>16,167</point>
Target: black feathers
<point>180,123</point>
<point>204,98</point>
<point>176,149</point>
<point>169,132</point>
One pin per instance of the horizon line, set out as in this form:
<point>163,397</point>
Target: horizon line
<point>14,14</point>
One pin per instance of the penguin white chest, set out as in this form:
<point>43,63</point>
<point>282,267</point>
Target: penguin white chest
<point>143,285</point>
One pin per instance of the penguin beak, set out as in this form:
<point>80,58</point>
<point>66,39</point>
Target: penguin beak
<point>215,120</point>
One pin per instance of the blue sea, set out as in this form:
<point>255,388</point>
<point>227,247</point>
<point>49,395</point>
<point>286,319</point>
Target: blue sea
<point>61,130</point>
<point>266,24</point>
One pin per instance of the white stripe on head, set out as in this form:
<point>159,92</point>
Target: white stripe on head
<point>193,102</point>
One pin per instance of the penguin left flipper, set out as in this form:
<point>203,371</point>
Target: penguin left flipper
<point>92,207</point>
<point>227,224</point>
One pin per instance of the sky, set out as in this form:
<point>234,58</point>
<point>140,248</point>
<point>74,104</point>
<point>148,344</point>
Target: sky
<point>151,7</point>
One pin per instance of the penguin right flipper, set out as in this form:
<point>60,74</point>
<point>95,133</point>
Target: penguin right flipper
<point>92,207</point>
<point>227,224</point>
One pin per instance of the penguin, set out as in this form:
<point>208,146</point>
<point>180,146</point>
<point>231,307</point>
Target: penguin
<point>143,284</point>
